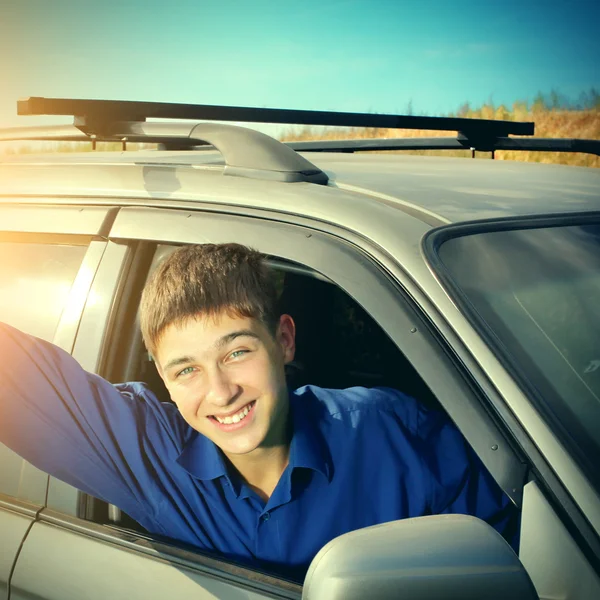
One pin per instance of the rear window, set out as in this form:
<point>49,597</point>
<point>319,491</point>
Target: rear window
<point>537,292</point>
<point>35,282</point>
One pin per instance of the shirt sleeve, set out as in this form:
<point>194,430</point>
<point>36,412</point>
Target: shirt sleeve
<point>80,428</point>
<point>459,482</point>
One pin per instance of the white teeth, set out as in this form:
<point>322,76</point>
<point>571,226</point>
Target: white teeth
<point>235,418</point>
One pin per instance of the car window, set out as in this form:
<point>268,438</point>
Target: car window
<point>30,272</point>
<point>538,291</point>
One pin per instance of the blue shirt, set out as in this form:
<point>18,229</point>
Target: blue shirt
<point>358,457</point>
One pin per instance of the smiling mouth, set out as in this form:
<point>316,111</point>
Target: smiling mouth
<point>234,418</point>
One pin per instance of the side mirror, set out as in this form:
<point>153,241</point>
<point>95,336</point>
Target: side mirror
<point>445,557</point>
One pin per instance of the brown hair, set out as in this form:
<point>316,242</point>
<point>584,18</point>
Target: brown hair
<point>206,280</point>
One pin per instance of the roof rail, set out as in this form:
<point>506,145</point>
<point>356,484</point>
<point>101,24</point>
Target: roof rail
<point>125,121</point>
<point>177,136</point>
<point>438,143</point>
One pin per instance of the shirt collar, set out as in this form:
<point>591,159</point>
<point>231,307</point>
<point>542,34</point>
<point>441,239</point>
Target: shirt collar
<point>202,459</point>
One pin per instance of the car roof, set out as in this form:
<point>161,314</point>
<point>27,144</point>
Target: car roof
<point>435,189</point>
<point>460,189</point>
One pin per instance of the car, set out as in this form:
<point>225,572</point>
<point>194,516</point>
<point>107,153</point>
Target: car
<point>472,285</point>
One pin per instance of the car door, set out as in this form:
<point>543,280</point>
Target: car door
<point>49,253</point>
<point>102,560</point>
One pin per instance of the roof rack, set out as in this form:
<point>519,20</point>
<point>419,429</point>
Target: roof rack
<point>125,121</point>
<point>96,114</point>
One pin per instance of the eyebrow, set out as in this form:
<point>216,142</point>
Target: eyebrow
<point>218,345</point>
<point>178,361</point>
<point>229,337</point>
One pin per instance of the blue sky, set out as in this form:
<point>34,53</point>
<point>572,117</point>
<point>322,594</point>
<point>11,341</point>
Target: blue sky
<point>349,55</point>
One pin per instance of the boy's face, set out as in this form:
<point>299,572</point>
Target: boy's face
<point>226,376</point>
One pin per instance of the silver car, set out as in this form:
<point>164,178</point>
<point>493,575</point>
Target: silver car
<point>473,285</point>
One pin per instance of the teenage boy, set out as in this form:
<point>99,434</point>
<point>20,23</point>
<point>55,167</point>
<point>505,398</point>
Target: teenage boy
<point>237,464</point>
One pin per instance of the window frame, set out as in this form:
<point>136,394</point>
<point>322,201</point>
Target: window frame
<point>137,230</point>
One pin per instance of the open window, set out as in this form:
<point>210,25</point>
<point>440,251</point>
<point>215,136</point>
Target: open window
<point>338,345</point>
<point>355,324</point>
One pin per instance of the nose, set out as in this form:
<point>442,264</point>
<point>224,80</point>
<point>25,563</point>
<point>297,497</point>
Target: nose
<point>221,389</point>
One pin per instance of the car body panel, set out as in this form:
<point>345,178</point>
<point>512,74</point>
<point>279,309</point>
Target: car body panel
<point>549,553</point>
<point>454,189</point>
<point>15,520</point>
<point>66,220</point>
<point>103,566</point>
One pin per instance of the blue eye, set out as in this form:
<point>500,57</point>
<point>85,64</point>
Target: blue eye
<point>185,371</point>
<point>238,353</point>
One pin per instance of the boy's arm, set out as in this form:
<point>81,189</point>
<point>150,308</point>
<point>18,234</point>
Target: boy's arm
<point>78,427</point>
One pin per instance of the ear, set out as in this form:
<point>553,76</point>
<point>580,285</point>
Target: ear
<point>286,337</point>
